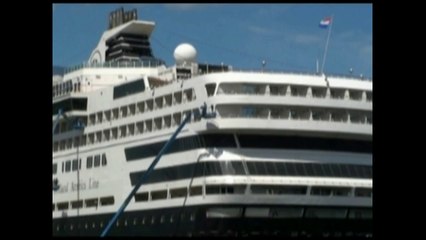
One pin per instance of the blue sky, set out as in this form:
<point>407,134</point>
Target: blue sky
<point>286,36</point>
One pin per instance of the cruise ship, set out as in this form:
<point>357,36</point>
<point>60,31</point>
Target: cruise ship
<point>284,154</point>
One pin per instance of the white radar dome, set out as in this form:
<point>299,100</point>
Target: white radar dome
<point>185,52</point>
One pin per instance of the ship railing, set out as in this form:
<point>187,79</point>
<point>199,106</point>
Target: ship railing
<point>113,64</point>
<point>155,63</point>
<point>306,73</point>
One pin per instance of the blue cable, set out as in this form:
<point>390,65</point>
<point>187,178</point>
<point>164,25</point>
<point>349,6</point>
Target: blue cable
<point>144,177</point>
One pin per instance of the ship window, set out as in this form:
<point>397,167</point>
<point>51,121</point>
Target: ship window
<point>92,119</point>
<point>148,124</point>
<point>341,192</point>
<point>79,104</point>
<point>91,202</point>
<point>197,190</point>
<point>177,118</point>
<point>335,168</point>
<point>168,100</point>
<point>178,192</point>
<point>123,111</point>
<point>63,166</point>
<point>281,169</point>
<point>210,88</point>
<point>319,92</point>
<point>369,96</point>
<point>106,135</point>
<point>325,213</point>
<point>260,167</point>
<point>115,113</point>
<point>104,160</point>
<point>226,189</point>
<point>149,104</point>
<point>114,133</point>
<point>238,168</point>
<point>327,170</point>
<point>363,192</point>
<point>228,212</point>
<point>300,169</point>
<point>67,166</point>
<point>354,171</point>
<point>188,94</point>
<point>360,213</point>
<point>330,191</point>
<point>123,130</point>
<point>140,107</point>
<point>168,121</point>
<point>291,170</point>
<point>131,128</point>
<point>97,161</point>
<point>89,162</point>
<point>219,140</point>
<point>355,95</point>
<point>177,97</point>
<point>212,189</point>
<point>74,164</point>
<point>286,142</point>
<point>139,127</point>
<point>63,206</point>
<point>77,204</point>
<point>252,168</point>
<point>141,197</point>
<point>107,201</point>
<point>54,168</point>
<point>309,168</point>
<point>157,195</point>
<point>337,93</point>
<point>159,102</point>
<point>255,168</point>
<point>270,168</point>
<point>128,89</point>
<point>345,170</point>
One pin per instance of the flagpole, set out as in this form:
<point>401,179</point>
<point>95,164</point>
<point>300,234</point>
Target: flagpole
<point>326,44</point>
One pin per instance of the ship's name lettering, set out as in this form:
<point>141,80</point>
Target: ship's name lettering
<point>91,184</point>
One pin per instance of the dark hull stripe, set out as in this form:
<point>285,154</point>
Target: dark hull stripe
<point>192,221</point>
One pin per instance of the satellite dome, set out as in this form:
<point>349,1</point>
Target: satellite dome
<point>185,52</point>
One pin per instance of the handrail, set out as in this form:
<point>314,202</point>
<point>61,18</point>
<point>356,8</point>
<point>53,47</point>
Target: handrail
<point>156,63</point>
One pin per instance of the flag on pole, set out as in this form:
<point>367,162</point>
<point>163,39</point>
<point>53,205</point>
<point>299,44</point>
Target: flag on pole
<point>324,23</point>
